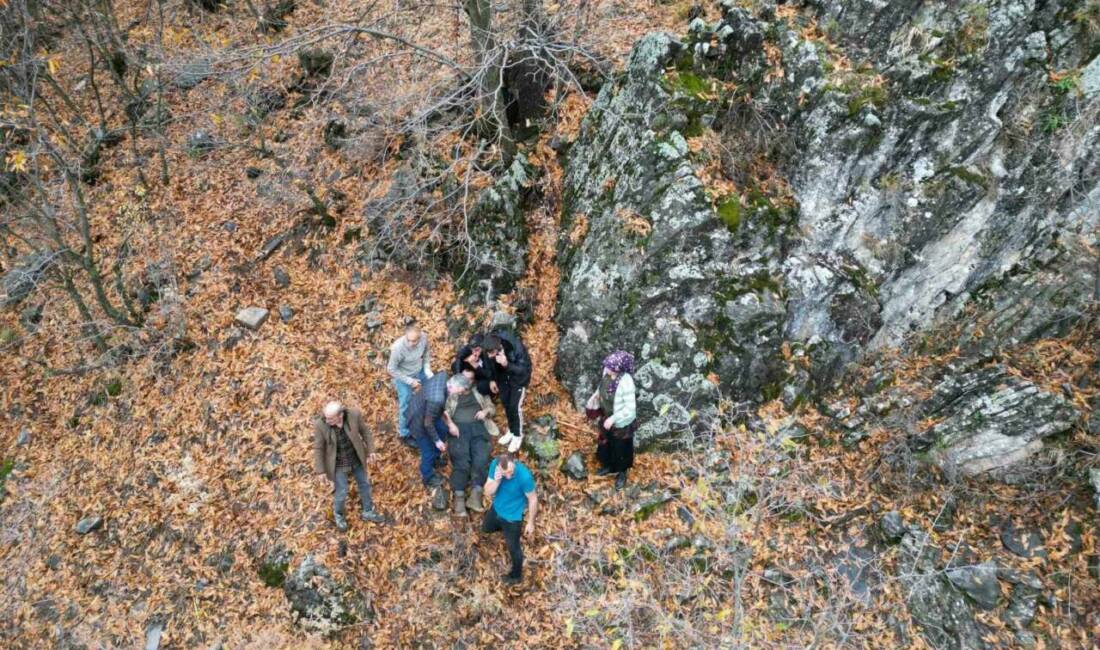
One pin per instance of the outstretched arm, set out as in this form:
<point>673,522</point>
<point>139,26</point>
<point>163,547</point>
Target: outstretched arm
<point>532,508</point>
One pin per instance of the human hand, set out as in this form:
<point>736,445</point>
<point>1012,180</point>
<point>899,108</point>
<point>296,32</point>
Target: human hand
<point>415,385</point>
<point>501,359</point>
<point>608,423</point>
<point>529,529</point>
<point>493,387</point>
<point>481,415</point>
<point>440,445</point>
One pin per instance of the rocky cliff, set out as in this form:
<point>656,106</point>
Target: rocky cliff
<point>754,205</point>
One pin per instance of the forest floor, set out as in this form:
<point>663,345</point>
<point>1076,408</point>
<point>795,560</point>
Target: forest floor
<point>200,464</point>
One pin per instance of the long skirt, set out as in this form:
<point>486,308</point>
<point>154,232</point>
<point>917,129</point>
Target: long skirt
<point>614,448</point>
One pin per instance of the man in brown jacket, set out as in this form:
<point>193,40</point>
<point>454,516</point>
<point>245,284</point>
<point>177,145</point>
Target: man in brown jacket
<point>342,444</point>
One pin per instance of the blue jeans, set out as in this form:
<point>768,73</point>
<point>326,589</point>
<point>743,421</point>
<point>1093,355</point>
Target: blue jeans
<point>428,452</point>
<point>341,481</point>
<point>404,394</point>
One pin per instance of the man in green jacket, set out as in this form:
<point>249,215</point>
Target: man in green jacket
<point>342,443</point>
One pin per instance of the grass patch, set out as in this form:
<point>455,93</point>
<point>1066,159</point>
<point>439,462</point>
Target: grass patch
<point>874,95</point>
<point>729,211</point>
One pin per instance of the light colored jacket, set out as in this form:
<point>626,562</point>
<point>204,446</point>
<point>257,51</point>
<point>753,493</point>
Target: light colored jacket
<point>407,361</point>
<point>483,403</point>
<point>625,403</point>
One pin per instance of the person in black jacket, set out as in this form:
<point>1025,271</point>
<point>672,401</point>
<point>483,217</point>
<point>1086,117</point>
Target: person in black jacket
<point>512,372</point>
<point>472,360</point>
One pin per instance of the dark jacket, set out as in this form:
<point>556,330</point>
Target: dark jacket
<point>518,372</point>
<point>426,405</point>
<point>482,375</point>
<point>324,442</point>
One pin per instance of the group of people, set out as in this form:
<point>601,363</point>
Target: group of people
<point>453,414</point>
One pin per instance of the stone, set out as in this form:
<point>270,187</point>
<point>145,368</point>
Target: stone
<point>1094,480</point>
<point>1022,541</point>
<point>574,468</point>
<point>978,582</point>
<point>439,499</point>
<point>53,561</point>
<point>990,421</point>
<point>540,439</point>
<point>88,524</point>
<point>22,278</point>
<point>282,278</point>
<point>892,527</point>
<point>943,612</point>
<point>318,603</point>
<point>1023,601</point>
<point>1090,78</point>
<point>285,313</point>
<point>252,317</point>
<point>375,320</point>
<point>649,504</point>
<point>24,438</point>
<point>200,142</point>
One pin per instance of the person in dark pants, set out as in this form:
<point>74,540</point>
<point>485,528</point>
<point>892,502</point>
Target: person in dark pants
<point>424,418</point>
<point>512,372</point>
<point>342,443</point>
<point>469,416</point>
<point>472,360</point>
<point>612,408</point>
<point>512,489</point>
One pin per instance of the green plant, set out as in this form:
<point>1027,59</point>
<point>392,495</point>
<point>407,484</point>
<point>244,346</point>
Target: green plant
<point>870,95</point>
<point>729,211</point>
<point>1065,85</point>
<point>1053,121</point>
<point>1087,18</point>
<point>273,574</point>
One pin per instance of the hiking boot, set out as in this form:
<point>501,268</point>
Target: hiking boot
<point>475,501</point>
<point>515,444</point>
<point>459,504</point>
<point>604,471</point>
<point>621,480</point>
<point>372,517</point>
<point>341,523</point>
<point>435,481</point>
<point>511,580</point>
<point>438,499</point>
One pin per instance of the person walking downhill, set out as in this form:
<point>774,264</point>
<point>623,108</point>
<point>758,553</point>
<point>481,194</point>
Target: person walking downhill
<point>410,366</point>
<point>469,416</point>
<point>342,444</point>
<point>424,418</point>
<point>512,489</point>
<point>613,410</point>
<point>512,374</point>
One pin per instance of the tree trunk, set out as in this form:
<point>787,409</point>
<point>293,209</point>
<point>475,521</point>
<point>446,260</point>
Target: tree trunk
<point>489,61</point>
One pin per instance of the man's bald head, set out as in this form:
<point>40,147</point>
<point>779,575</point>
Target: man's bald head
<point>334,413</point>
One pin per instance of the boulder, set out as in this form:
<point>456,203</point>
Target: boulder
<point>942,611</point>
<point>1023,542</point>
<point>88,524</point>
<point>979,582</point>
<point>21,279</point>
<point>574,468</point>
<point>1094,480</point>
<point>892,527</point>
<point>252,317</point>
<point>990,421</point>
<point>317,602</point>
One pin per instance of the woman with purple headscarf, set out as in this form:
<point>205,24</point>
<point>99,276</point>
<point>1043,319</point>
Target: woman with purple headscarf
<point>612,408</point>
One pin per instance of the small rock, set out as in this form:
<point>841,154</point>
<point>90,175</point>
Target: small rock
<point>979,582</point>
<point>201,142</point>
<point>53,562</point>
<point>374,320</point>
<point>574,468</point>
<point>892,527</point>
<point>253,172</point>
<point>88,524</point>
<point>24,438</point>
<point>646,507</point>
<point>233,338</point>
<point>1023,602</point>
<point>153,634</point>
<point>871,121</point>
<point>1025,543</point>
<point>252,317</point>
<point>282,278</point>
<point>285,313</point>
<point>230,226</point>
<point>685,516</point>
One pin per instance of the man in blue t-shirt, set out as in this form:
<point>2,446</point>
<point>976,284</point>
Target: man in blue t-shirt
<point>512,489</point>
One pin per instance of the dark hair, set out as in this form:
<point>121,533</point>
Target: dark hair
<point>505,460</point>
<point>491,342</point>
<point>476,340</point>
<point>410,323</point>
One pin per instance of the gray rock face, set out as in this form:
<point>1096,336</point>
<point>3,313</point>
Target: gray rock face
<point>942,611</point>
<point>1094,480</point>
<point>892,527</point>
<point>924,189</point>
<point>991,421</point>
<point>88,524</point>
<point>574,468</point>
<point>540,440</point>
<point>979,582</point>
<point>19,281</point>
<point>318,603</point>
<point>252,317</point>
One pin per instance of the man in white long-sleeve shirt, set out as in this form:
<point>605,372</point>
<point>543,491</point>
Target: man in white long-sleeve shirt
<point>409,365</point>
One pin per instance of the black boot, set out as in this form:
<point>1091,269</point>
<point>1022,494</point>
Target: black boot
<point>621,480</point>
<point>604,471</point>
